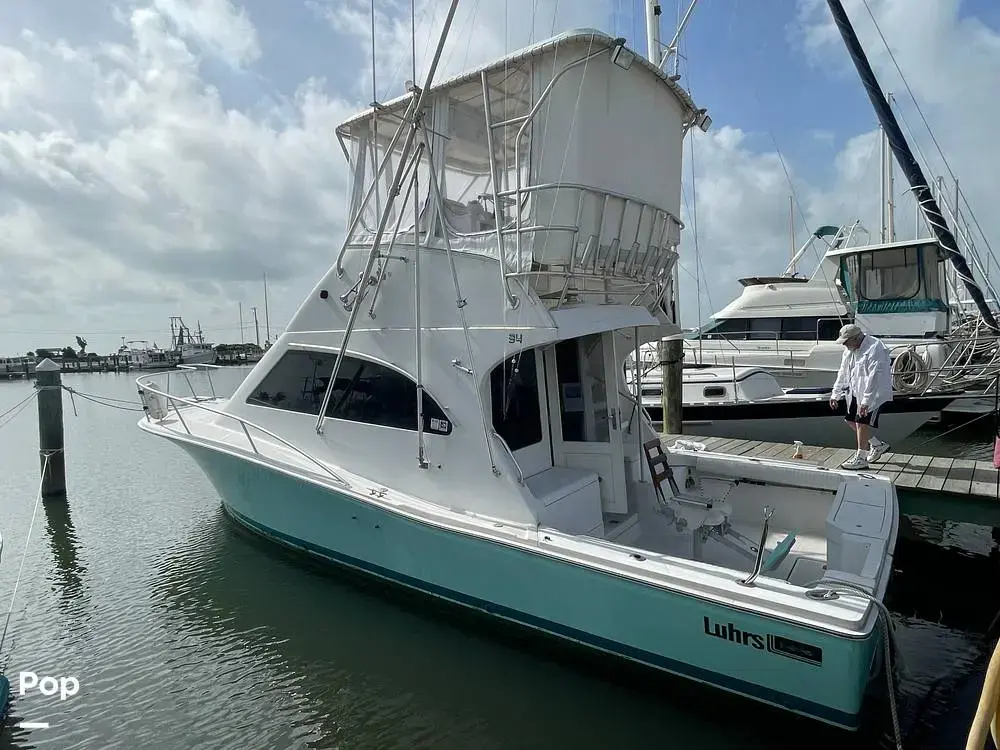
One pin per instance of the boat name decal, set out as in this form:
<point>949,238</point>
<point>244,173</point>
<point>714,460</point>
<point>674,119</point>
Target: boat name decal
<point>774,644</point>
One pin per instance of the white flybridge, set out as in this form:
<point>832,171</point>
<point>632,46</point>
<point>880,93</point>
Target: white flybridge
<point>447,410</point>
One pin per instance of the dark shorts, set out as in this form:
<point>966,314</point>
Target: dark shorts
<point>871,418</point>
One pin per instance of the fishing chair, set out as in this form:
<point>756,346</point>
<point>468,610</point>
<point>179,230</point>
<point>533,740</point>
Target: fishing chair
<point>707,517</point>
<point>693,492</point>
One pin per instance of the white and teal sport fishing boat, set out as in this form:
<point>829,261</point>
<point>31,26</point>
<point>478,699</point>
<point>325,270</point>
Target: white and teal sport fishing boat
<point>447,411</point>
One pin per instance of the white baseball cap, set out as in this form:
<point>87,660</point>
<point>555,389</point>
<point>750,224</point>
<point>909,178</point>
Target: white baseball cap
<point>848,332</point>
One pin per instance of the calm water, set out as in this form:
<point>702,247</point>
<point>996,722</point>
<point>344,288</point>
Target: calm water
<point>185,633</point>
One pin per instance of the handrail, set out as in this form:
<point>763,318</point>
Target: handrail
<point>588,189</point>
<point>244,423</point>
<point>510,453</point>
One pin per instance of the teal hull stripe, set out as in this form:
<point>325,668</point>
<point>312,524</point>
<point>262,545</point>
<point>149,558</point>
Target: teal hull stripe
<point>790,702</point>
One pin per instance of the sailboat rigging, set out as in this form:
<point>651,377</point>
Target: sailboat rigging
<point>908,163</point>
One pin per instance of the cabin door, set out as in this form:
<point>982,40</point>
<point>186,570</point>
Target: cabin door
<point>586,426</point>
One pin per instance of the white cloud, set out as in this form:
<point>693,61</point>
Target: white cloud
<point>217,24</point>
<point>481,31</point>
<point>141,179</point>
<point>146,187</point>
<point>20,79</point>
<point>951,63</point>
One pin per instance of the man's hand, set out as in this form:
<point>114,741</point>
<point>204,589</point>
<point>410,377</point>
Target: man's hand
<point>834,403</point>
<point>862,411</point>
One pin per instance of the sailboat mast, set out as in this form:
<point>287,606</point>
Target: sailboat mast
<point>907,162</point>
<point>890,187</point>
<point>883,151</point>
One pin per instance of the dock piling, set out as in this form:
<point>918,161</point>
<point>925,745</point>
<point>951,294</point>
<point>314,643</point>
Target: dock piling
<point>671,374</point>
<point>50,429</point>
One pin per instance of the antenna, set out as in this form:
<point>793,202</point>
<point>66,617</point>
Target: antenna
<point>791,229</point>
<point>267,318</point>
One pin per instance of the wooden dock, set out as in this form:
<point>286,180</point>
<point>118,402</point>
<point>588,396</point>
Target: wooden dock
<point>937,474</point>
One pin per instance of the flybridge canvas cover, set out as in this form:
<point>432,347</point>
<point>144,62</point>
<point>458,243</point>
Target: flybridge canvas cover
<point>580,140</point>
<point>547,47</point>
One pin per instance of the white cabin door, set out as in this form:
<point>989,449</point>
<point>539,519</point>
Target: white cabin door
<point>587,423</point>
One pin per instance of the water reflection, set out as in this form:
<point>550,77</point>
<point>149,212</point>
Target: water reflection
<point>68,572</point>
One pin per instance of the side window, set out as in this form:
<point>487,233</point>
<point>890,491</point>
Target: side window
<point>517,412</point>
<point>729,328</point>
<point>365,391</point>
<point>799,329</point>
<point>829,328</point>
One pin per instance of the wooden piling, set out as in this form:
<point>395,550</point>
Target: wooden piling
<point>50,428</point>
<point>671,379</point>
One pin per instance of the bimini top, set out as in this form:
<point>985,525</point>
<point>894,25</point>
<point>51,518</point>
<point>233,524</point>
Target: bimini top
<point>591,36</point>
<point>921,243</point>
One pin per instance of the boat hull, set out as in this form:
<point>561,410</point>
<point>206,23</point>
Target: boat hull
<point>198,358</point>
<point>812,422</point>
<point>737,651</point>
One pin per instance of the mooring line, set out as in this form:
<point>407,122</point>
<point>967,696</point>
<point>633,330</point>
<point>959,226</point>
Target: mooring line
<point>17,408</point>
<point>24,555</point>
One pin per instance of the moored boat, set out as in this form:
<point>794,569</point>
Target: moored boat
<point>445,410</point>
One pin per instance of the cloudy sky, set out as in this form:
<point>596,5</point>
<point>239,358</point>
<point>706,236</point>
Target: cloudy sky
<point>157,157</point>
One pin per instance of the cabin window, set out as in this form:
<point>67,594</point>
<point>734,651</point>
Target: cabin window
<point>365,391</point>
<point>765,328</point>
<point>793,329</point>
<point>731,328</point>
<point>798,329</point>
<point>889,274</point>
<point>517,411</point>
<point>714,391</point>
<point>828,329</point>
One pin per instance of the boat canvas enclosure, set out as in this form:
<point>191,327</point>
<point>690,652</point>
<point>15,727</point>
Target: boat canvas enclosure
<point>562,161</point>
<point>898,288</point>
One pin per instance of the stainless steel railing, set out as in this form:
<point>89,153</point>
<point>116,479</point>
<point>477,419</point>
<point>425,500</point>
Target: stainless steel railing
<point>198,402</point>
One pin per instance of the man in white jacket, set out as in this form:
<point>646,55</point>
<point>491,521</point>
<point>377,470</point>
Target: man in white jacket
<point>865,381</point>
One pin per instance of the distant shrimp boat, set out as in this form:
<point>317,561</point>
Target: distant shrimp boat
<point>190,349</point>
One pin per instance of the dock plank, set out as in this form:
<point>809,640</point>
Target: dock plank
<point>712,443</point>
<point>748,449</point>
<point>756,448</point>
<point>839,456</point>
<point>935,474</point>
<point>984,480</point>
<point>822,455</point>
<point>914,470</point>
<point>959,478</point>
<point>776,450</point>
<point>729,445</point>
<point>891,465</point>
<point>761,451</point>
<point>810,452</point>
<point>926,473</point>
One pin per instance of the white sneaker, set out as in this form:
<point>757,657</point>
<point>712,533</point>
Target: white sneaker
<point>855,463</point>
<point>877,450</point>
